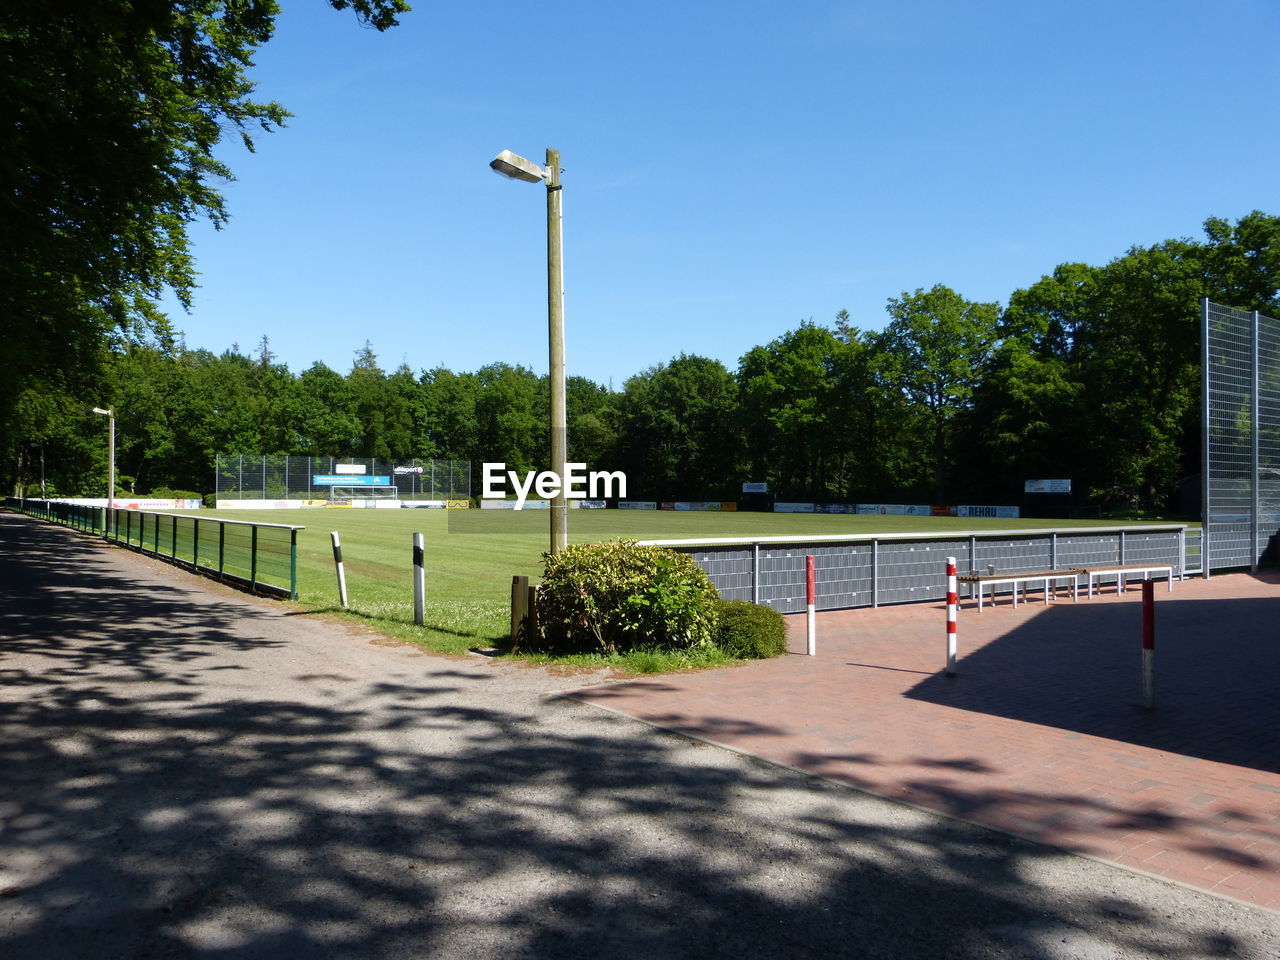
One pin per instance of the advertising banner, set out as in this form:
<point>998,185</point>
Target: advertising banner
<point>1002,513</point>
<point>344,480</point>
<point>755,488</point>
<point>836,508</point>
<point>424,504</point>
<point>786,507</point>
<point>637,504</point>
<point>896,509</point>
<point>512,504</point>
<point>1047,486</point>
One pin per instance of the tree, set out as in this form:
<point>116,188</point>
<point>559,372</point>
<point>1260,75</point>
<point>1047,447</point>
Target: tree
<point>788,415</point>
<point>677,431</point>
<point>938,346</point>
<point>110,115</point>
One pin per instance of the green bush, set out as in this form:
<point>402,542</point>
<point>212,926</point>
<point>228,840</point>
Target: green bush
<point>618,596</point>
<point>165,493</point>
<point>750,631</point>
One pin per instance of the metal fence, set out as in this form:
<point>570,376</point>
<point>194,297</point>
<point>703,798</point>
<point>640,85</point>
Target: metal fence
<point>260,556</point>
<point>293,478</point>
<point>1240,473</point>
<point>870,570</point>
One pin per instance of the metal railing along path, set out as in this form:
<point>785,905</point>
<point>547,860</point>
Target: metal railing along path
<point>867,570</point>
<point>260,556</point>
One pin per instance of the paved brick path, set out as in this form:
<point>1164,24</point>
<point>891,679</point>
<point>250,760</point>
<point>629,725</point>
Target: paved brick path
<point>1041,733</point>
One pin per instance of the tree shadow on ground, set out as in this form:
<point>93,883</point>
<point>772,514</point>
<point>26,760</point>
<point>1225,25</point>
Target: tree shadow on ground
<point>1078,667</point>
<point>418,818</point>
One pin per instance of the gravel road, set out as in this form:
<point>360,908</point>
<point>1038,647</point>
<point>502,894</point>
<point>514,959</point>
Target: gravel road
<point>186,771</point>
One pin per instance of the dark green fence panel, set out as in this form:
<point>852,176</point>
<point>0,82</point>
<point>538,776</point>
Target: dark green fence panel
<point>260,556</point>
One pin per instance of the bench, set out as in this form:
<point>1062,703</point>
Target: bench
<point>1023,577</point>
<point>1122,571</point>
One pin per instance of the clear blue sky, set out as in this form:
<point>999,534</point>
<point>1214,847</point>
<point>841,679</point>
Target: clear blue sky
<point>730,168</point>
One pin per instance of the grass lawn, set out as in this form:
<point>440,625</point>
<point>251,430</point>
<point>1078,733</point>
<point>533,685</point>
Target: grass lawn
<point>472,555</point>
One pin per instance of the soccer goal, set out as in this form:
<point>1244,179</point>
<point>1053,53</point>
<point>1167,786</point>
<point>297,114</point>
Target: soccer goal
<point>365,496</point>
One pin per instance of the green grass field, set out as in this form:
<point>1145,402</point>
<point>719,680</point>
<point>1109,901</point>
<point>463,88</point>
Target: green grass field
<point>472,555</point>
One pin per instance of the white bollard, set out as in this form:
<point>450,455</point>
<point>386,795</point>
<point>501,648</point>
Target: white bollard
<point>342,573</point>
<point>419,580</point>
<point>953,606</point>
<point>811,595</point>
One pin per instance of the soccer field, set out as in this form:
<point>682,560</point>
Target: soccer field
<point>471,555</point>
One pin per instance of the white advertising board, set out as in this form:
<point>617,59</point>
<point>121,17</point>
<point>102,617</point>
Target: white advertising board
<point>783,506</point>
<point>1002,513</point>
<point>1047,486</point>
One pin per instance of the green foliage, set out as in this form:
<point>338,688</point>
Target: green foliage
<point>112,115</point>
<point>750,631</point>
<point>166,493</point>
<point>617,596</point>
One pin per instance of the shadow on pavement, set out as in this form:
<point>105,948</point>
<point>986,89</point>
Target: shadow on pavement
<point>1078,667</point>
<point>187,818</point>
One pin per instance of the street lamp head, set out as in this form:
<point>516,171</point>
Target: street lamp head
<point>105,413</point>
<point>515,167</point>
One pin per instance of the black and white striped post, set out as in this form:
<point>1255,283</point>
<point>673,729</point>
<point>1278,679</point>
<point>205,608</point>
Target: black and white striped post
<point>342,573</point>
<point>419,580</point>
<point>952,607</point>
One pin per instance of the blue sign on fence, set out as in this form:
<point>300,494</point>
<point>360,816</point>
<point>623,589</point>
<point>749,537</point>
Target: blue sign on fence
<point>348,480</point>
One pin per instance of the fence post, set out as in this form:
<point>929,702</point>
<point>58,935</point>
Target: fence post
<point>875,573</point>
<point>1205,516</point>
<point>195,543</point>
<point>419,580</point>
<point>519,608</point>
<point>293,564</point>
<point>755,573</point>
<point>337,564</point>
<point>952,606</point>
<point>253,559</point>
<point>222,546</point>
<point>1148,643</point>
<point>173,538</point>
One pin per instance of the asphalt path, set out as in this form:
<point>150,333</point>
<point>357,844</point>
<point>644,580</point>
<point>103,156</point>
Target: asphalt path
<point>186,771</point>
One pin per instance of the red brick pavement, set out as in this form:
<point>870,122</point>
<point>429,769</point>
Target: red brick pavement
<point>1041,733</point>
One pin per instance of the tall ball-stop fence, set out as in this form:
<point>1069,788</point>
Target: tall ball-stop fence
<point>1240,439</point>
<point>246,477</point>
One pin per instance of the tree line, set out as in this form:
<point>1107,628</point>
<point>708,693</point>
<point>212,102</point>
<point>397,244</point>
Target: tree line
<point>1091,373</point>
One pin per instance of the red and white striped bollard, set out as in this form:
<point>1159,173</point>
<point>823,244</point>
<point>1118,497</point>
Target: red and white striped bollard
<point>811,615</point>
<point>952,608</point>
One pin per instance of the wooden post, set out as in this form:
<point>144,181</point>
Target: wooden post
<point>533,631</point>
<point>519,608</point>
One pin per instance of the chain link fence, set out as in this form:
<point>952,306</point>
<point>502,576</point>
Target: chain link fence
<point>239,477</point>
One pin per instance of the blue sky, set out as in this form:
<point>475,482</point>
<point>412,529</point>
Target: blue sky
<point>731,169</point>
